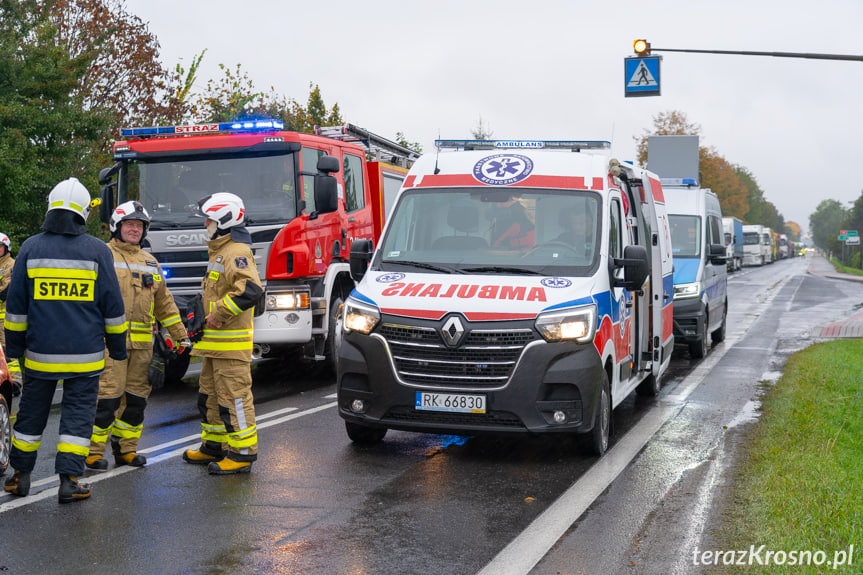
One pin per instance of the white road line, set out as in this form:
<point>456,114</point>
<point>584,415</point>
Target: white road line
<point>531,545</point>
<point>189,441</point>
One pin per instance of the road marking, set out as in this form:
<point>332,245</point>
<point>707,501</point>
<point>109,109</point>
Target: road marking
<point>531,545</point>
<point>189,441</point>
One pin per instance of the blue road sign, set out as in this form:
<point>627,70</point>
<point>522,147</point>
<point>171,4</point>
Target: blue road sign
<point>641,76</point>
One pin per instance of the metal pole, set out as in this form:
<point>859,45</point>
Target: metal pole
<point>773,54</point>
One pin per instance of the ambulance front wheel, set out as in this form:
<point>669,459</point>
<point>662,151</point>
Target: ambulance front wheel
<point>596,440</point>
<point>698,348</point>
<point>365,435</point>
<point>649,387</point>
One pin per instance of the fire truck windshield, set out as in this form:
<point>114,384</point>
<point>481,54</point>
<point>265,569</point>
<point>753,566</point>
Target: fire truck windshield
<point>170,190</point>
<point>487,231</point>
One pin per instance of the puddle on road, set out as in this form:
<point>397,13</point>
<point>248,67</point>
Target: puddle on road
<point>749,414</point>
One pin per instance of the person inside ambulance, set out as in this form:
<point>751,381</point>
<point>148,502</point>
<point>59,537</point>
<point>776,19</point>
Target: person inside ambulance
<point>231,289</point>
<point>7,262</point>
<point>124,385</point>
<point>512,228</point>
<point>64,308</point>
<point>579,231</point>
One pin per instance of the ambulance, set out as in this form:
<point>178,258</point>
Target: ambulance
<point>518,287</point>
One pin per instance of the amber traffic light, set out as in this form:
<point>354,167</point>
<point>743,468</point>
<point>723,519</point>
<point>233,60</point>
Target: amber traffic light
<point>641,47</point>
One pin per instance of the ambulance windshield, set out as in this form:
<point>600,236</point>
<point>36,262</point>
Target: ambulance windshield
<point>494,231</point>
<point>170,190</point>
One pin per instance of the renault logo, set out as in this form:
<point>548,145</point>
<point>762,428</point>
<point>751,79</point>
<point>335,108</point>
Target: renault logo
<point>452,331</point>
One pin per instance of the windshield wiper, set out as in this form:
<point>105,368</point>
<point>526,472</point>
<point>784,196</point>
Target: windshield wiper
<point>425,266</point>
<point>505,269</point>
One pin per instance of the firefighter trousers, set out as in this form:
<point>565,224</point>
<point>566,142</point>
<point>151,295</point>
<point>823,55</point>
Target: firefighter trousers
<point>77,412</point>
<point>227,409</point>
<point>123,391</point>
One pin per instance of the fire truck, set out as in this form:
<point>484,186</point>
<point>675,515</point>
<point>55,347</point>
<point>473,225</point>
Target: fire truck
<point>308,197</point>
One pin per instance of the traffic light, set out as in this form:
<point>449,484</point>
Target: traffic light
<point>641,47</point>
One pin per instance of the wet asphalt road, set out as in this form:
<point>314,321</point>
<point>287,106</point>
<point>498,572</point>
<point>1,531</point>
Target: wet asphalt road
<point>316,504</point>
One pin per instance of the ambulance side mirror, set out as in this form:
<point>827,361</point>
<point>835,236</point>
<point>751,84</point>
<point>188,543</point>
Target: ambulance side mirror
<point>361,255</point>
<point>718,254</point>
<point>635,268</point>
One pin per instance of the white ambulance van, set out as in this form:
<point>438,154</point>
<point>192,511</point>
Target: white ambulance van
<point>519,287</point>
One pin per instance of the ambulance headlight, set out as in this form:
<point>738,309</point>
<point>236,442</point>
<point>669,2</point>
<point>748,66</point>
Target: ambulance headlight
<point>360,317</point>
<point>577,324</point>
<point>687,291</point>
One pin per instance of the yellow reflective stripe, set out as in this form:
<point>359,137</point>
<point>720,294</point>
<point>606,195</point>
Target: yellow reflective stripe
<point>62,367</point>
<point>143,337</point>
<point>26,443</point>
<point>231,305</point>
<point>222,333</point>
<point>244,438</point>
<point>15,326</point>
<point>62,273</point>
<point>14,366</point>
<point>100,434</point>
<point>116,328</point>
<point>169,321</point>
<point>224,345</point>
<point>73,449</point>
<point>140,324</point>
<point>126,431</point>
<point>214,433</point>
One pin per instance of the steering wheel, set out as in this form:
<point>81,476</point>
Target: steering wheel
<point>551,245</point>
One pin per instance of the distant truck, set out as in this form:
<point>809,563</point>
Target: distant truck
<point>782,247</point>
<point>768,244</point>
<point>753,251</point>
<point>733,228</point>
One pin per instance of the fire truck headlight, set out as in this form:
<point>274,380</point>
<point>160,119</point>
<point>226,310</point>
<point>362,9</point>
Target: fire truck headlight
<point>577,324</point>
<point>288,301</point>
<point>360,317</point>
<point>687,291</point>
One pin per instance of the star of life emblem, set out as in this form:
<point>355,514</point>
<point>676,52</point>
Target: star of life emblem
<point>503,169</point>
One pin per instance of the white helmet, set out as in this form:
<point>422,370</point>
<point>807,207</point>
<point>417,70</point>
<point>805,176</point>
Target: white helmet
<point>131,210</point>
<point>226,209</point>
<point>5,241</point>
<point>70,195</point>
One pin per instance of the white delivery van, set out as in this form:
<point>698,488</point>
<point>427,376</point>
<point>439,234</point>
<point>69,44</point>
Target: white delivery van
<point>519,287</point>
<point>700,273</point>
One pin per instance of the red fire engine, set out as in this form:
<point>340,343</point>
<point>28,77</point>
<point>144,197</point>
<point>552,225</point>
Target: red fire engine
<point>307,198</point>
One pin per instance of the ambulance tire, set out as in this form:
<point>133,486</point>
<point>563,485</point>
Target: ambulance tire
<point>5,435</point>
<point>334,334</point>
<point>596,440</point>
<point>718,335</point>
<point>698,348</point>
<point>364,435</point>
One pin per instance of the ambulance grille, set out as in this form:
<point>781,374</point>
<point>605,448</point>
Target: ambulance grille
<point>486,358</point>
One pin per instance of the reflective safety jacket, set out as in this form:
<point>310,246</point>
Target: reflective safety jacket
<point>6,264</point>
<point>231,290</point>
<point>64,307</point>
<point>145,295</point>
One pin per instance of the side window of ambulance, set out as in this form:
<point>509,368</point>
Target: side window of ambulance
<point>355,197</point>
<point>310,158</point>
<point>715,233</point>
<point>615,247</point>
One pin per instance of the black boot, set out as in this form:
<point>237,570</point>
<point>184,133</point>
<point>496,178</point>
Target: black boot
<point>18,484</point>
<point>71,490</point>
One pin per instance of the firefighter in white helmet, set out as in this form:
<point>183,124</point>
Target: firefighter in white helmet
<point>231,289</point>
<point>7,262</point>
<point>124,386</point>
<point>64,308</point>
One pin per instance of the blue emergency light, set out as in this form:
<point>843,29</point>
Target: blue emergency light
<point>263,125</point>
<point>690,182</point>
<point>574,145</point>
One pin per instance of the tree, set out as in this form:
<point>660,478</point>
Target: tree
<point>756,199</point>
<point>482,131</point>
<point>854,221</point>
<point>401,140</point>
<point>792,230</point>
<point>46,135</point>
<point>825,223</point>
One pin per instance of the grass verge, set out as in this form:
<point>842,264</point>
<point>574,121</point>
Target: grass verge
<point>843,269</point>
<point>799,487</point>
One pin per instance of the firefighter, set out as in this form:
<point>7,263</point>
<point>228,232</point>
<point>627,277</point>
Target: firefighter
<point>231,288</point>
<point>124,385</point>
<point>7,262</point>
<point>64,308</point>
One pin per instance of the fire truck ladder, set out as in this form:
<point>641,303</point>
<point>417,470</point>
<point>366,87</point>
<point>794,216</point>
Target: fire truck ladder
<point>378,148</point>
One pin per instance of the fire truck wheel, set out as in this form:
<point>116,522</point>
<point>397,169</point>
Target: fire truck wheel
<point>364,435</point>
<point>596,440</point>
<point>334,334</point>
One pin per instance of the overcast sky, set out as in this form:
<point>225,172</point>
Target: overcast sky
<point>554,69</point>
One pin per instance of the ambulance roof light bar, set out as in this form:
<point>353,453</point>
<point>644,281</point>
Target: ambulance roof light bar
<point>680,182</point>
<point>262,125</point>
<point>573,145</point>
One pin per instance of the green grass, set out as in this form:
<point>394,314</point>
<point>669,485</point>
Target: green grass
<point>842,269</point>
<point>800,484</point>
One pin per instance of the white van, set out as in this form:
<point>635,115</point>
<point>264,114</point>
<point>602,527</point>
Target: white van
<point>519,287</point>
<point>700,273</point>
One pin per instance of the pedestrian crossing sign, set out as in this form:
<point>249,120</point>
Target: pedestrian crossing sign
<point>641,76</point>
